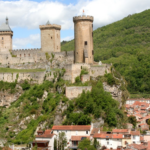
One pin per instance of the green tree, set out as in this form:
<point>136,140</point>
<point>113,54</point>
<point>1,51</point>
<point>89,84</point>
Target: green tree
<point>55,144</point>
<point>96,143</point>
<point>62,140</point>
<point>86,144</point>
<point>132,120</point>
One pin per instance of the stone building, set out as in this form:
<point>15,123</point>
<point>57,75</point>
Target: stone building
<point>5,37</point>
<point>50,37</point>
<point>83,34</point>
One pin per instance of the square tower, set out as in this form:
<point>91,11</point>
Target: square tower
<point>50,37</point>
<point>5,37</point>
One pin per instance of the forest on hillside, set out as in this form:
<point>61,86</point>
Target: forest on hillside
<point>125,44</point>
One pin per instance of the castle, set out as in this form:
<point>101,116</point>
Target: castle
<point>72,61</point>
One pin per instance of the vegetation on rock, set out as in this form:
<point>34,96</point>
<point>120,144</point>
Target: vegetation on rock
<point>126,44</point>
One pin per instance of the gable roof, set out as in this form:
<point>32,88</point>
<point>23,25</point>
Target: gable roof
<point>72,127</point>
<point>79,138</point>
<point>135,132</point>
<point>120,130</point>
<point>108,136</point>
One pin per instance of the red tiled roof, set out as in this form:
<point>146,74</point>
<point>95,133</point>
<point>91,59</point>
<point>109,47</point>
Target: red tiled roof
<point>40,131</point>
<point>138,146</point>
<point>108,136</point>
<point>78,138</point>
<point>72,127</point>
<point>120,130</point>
<point>117,136</point>
<point>48,131</point>
<point>135,132</point>
<point>45,136</point>
<point>95,130</point>
<point>6,148</point>
<point>143,124</point>
<point>141,138</point>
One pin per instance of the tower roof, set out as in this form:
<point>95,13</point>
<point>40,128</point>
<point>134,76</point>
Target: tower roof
<point>47,22</point>
<point>5,26</point>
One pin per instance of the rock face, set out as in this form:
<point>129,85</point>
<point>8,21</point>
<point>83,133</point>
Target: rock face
<point>114,91</point>
<point>6,98</point>
<point>58,116</point>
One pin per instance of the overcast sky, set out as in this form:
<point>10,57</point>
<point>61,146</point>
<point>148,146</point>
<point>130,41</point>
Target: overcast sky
<point>25,16</point>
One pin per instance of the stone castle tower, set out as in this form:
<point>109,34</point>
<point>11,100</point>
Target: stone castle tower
<point>50,37</point>
<point>83,34</point>
<point>5,37</point>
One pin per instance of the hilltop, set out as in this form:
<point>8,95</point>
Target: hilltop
<point>125,44</point>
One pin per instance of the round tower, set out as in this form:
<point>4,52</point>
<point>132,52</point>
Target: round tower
<point>50,37</point>
<point>83,35</point>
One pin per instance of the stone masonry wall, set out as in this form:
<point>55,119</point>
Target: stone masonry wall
<point>36,55</point>
<point>36,77</point>
<point>75,91</point>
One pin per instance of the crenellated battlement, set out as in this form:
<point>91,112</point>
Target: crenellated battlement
<point>26,50</point>
<point>6,33</point>
<point>86,18</point>
<point>50,26</point>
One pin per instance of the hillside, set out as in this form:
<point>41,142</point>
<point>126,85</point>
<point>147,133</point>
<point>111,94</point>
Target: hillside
<point>38,106</point>
<point>126,44</point>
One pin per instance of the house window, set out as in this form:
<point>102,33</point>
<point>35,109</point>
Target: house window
<point>92,52</point>
<point>92,34</point>
<point>134,137</point>
<point>85,43</point>
<point>51,37</point>
<point>86,132</point>
<point>66,131</point>
<point>77,52</point>
<point>57,131</point>
<point>2,38</point>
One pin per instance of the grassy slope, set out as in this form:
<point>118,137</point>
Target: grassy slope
<point>9,70</point>
<point>126,44</point>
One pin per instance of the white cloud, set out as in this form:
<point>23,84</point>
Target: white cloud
<point>31,14</point>
<point>68,38</point>
<point>33,41</point>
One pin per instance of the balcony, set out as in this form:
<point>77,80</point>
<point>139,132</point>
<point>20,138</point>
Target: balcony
<point>73,146</point>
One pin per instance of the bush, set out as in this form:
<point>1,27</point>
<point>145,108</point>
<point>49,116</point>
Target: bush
<point>25,85</point>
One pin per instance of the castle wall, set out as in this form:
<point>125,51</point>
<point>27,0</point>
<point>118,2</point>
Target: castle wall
<point>96,71</point>
<point>74,70</point>
<point>35,77</point>
<point>85,78</point>
<point>75,91</point>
